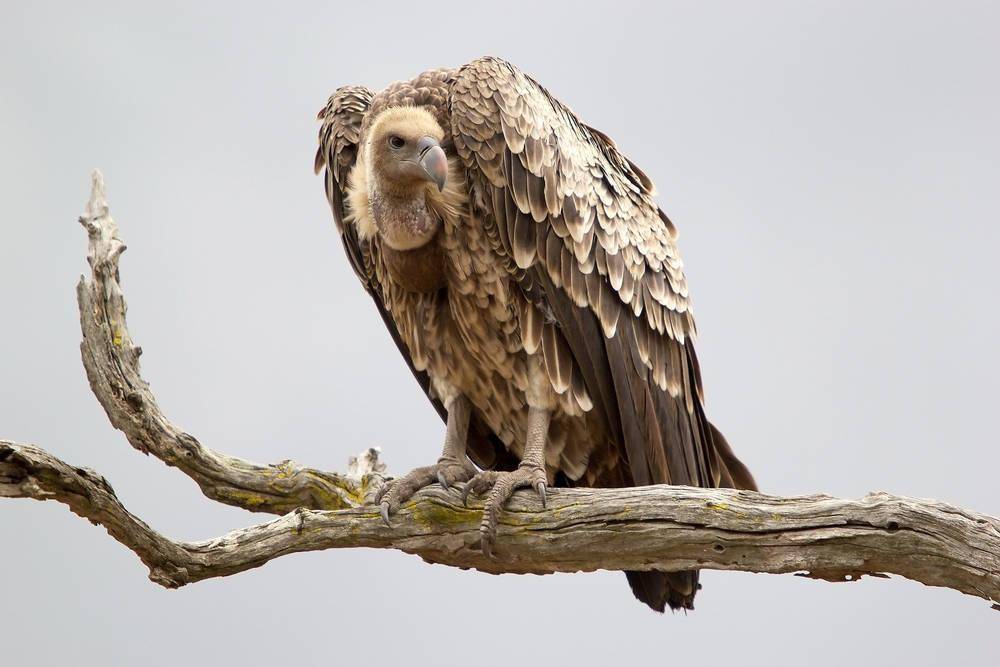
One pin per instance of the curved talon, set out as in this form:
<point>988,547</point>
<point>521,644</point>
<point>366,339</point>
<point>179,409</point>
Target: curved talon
<point>485,542</point>
<point>501,486</point>
<point>480,483</point>
<point>384,511</point>
<point>398,491</point>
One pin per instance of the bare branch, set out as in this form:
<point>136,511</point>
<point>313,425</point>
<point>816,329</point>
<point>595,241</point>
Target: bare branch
<point>111,359</point>
<point>657,527</point>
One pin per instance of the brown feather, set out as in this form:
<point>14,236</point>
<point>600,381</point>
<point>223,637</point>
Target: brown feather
<point>523,241</point>
<point>518,179</point>
<point>558,362</point>
<point>536,198</point>
<point>616,271</point>
<point>531,327</point>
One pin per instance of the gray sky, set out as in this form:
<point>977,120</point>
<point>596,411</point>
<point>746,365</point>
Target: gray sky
<point>832,167</point>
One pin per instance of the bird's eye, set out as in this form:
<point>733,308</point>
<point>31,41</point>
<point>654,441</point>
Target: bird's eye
<point>396,142</point>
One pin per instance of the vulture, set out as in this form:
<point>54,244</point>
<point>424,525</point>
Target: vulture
<point>533,287</point>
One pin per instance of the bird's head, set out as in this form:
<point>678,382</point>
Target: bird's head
<point>405,150</point>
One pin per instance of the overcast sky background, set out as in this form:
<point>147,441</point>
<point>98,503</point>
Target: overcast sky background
<point>833,169</point>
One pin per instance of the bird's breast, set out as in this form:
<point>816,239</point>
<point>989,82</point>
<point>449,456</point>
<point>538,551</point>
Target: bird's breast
<point>418,270</point>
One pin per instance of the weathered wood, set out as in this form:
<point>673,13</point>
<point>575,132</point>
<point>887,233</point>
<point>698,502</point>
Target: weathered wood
<point>111,360</point>
<point>660,527</point>
<point>655,527</point>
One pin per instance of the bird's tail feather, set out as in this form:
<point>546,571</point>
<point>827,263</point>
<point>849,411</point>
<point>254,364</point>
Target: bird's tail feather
<point>736,474</point>
<point>659,590</point>
<point>676,590</point>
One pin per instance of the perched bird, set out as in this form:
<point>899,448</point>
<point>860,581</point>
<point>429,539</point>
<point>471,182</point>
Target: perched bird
<point>532,285</point>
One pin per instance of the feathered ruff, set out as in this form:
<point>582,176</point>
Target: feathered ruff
<point>449,204</point>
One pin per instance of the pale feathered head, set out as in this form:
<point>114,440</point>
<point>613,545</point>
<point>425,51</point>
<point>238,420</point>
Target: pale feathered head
<point>404,150</point>
<point>402,157</point>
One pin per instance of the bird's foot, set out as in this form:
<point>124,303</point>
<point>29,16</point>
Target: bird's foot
<point>501,486</point>
<point>448,471</point>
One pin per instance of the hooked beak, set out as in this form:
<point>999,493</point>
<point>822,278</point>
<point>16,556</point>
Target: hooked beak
<point>433,161</point>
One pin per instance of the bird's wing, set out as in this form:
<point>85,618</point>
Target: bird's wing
<point>339,135</point>
<point>583,238</point>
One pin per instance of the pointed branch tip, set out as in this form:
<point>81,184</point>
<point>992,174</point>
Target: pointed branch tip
<point>98,204</point>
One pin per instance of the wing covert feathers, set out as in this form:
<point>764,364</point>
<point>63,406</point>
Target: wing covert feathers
<point>566,187</point>
<point>576,217</point>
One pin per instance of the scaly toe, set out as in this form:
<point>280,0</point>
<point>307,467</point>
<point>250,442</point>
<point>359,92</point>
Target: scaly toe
<point>383,490</point>
<point>504,485</point>
<point>480,483</point>
<point>396,492</point>
<point>451,472</point>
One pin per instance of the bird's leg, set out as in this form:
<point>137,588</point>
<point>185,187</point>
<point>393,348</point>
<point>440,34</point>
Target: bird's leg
<point>501,485</point>
<point>454,465</point>
<point>451,468</point>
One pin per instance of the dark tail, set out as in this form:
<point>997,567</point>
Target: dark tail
<point>659,590</point>
<point>735,475</point>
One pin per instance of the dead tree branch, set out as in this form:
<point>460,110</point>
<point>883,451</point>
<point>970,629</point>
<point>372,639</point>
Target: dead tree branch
<point>661,527</point>
<point>111,360</point>
<point>654,527</point>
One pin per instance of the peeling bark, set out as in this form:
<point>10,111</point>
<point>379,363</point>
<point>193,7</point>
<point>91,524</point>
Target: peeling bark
<point>659,527</point>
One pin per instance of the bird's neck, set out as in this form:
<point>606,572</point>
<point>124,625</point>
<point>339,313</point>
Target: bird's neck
<point>403,220</point>
<point>408,232</point>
